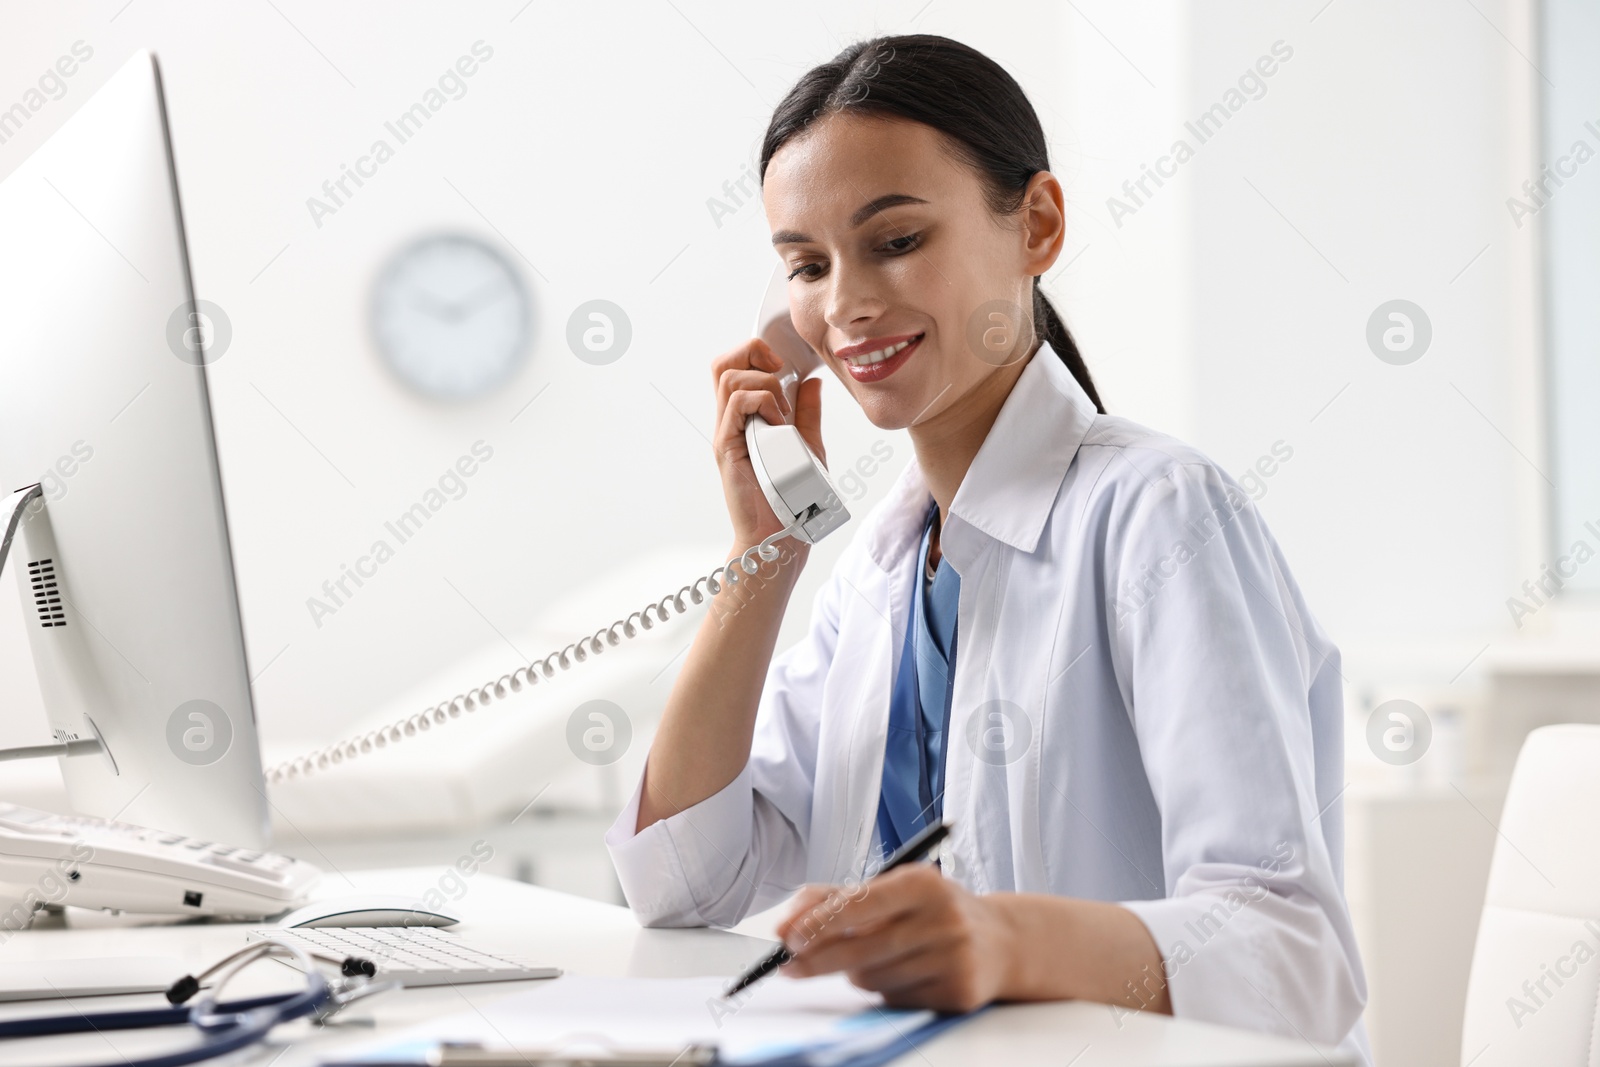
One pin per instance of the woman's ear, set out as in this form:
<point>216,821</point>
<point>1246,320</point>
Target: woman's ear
<point>1044,222</point>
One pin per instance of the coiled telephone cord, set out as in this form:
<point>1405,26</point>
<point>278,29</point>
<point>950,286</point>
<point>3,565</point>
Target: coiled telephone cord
<point>526,677</point>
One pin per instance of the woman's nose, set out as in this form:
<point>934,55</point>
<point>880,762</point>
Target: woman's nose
<point>850,303</point>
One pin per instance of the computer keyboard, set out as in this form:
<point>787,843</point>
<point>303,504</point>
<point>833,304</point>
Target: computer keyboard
<point>413,955</point>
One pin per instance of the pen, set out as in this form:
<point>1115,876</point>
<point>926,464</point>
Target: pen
<point>910,852</point>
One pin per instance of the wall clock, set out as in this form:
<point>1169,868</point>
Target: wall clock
<point>451,316</point>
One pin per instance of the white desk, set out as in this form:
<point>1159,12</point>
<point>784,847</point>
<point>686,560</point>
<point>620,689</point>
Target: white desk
<point>582,936</point>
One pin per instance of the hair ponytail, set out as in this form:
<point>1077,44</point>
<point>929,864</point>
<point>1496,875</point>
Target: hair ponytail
<point>1048,325</point>
<point>964,95</point>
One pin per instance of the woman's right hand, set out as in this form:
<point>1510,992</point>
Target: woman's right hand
<point>747,384</point>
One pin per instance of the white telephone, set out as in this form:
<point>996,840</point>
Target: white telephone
<point>50,859</point>
<point>796,484</point>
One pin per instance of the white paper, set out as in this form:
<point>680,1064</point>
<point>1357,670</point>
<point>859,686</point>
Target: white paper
<point>576,1014</point>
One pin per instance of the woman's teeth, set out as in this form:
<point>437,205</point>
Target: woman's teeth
<point>876,357</point>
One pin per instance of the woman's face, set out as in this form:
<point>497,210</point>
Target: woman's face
<point>915,292</point>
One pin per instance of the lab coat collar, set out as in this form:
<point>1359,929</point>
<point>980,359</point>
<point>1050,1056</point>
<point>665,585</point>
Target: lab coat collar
<point>1011,487</point>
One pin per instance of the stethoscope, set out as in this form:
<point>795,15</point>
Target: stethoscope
<point>224,1026</point>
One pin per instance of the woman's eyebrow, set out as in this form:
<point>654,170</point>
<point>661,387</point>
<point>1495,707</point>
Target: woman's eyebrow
<point>866,211</point>
<point>861,215</point>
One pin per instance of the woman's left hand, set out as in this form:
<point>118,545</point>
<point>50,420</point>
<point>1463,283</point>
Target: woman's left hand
<point>911,934</point>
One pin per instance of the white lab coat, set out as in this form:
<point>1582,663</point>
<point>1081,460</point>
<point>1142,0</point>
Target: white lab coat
<point>1144,711</point>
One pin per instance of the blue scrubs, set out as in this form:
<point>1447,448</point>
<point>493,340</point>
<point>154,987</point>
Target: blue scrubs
<point>912,794</point>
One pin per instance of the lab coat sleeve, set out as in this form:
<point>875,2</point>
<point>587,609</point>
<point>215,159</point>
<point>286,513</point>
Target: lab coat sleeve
<point>743,848</point>
<point>1222,670</point>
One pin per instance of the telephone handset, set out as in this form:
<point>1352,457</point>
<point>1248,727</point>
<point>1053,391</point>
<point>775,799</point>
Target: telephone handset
<point>795,483</point>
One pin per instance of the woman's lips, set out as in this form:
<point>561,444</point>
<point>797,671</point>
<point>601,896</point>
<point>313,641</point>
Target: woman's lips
<point>877,372</point>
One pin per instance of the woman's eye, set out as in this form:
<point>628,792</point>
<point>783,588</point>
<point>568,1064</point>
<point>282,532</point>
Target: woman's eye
<point>810,270</point>
<point>899,246</point>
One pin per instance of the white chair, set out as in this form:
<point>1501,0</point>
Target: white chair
<point>1534,994</point>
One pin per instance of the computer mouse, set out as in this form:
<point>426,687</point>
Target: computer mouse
<point>372,909</point>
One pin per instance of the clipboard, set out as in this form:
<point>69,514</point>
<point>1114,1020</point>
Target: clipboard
<point>584,1021</point>
<point>449,1054</point>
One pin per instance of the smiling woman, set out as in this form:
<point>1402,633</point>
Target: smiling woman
<point>1145,815</point>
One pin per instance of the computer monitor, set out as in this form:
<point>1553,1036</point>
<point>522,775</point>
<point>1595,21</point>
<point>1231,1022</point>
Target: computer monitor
<point>124,564</point>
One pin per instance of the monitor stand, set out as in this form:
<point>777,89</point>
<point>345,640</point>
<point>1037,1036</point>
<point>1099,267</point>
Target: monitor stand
<point>10,518</point>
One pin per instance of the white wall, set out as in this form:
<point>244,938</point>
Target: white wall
<point>1390,145</point>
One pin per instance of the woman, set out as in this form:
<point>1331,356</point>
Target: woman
<point>1070,636</point>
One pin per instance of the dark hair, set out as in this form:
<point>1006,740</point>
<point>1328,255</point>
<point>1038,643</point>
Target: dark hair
<point>961,93</point>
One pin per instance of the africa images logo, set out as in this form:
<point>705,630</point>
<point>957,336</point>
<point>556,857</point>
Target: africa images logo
<point>599,732</point>
<point>1398,732</point>
<point>199,733</point>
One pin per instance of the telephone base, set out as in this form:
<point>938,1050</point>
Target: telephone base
<point>78,861</point>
